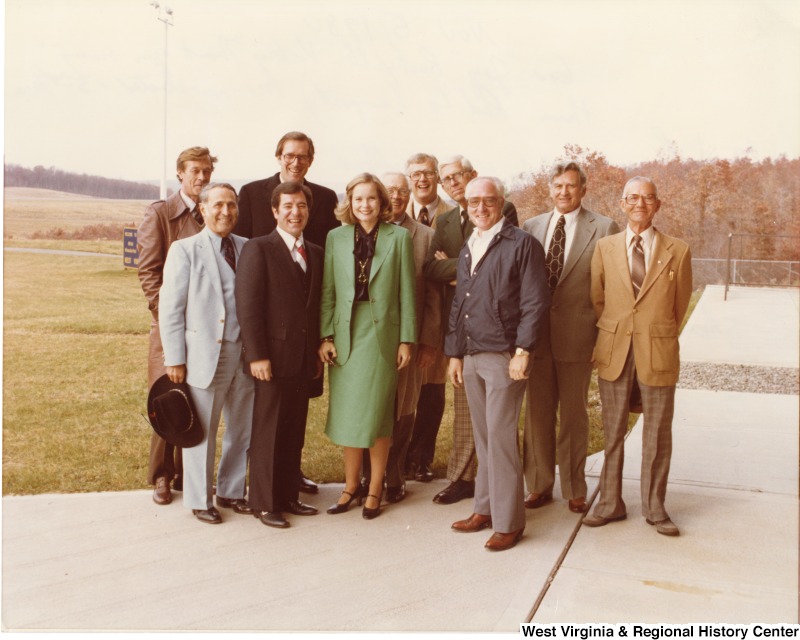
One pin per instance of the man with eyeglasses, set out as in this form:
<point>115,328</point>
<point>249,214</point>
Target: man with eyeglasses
<point>425,207</point>
<point>500,302</point>
<point>452,230</point>
<point>295,154</point>
<point>562,364</point>
<point>641,287</point>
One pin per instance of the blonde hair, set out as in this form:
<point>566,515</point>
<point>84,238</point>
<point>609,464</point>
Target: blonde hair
<point>344,212</point>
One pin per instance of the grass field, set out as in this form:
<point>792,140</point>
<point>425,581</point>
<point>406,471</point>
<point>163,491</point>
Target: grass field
<point>74,365</point>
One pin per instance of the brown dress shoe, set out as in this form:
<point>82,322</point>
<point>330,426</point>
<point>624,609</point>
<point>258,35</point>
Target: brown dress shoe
<point>536,500</point>
<point>474,523</point>
<point>503,541</point>
<point>578,505</point>
<point>665,527</point>
<point>601,521</point>
<point>162,494</point>
<point>209,516</point>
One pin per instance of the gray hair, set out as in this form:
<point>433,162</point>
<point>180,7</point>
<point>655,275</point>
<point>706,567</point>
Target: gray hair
<point>466,165</point>
<point>397,173</point>
<point>497,182</point>
<point>641,179</point>
<point>562,168</point>
<point>216,185</point>
<point>419,158</point>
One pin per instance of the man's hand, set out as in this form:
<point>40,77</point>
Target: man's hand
<point>455,371</point>
<point>261,370</point>
<point>177,374</point>
<point>403,355</point>
<point>440,255</point>
<point>327,353</point>
<point>517,367</point>
<point>426,356</point>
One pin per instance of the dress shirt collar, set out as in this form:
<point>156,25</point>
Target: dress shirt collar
<point>289,239</point>
<point>431,207</point>
<point>190,204</point>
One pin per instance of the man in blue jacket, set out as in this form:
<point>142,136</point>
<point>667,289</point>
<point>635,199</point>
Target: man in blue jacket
<point>501,297</point>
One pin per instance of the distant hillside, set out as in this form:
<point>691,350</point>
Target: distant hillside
<point>51,178</point>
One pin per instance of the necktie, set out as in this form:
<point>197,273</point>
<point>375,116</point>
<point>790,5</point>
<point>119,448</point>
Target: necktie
<point>554,261</point>
<point>464,221</point>
<point>423,216</point>
<point>228,252</point>
<point>302,256</point>
<point>197,215</point>
<point>637,265</point>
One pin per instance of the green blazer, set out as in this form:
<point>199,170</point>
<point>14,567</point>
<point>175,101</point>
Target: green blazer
<point>391,290</point>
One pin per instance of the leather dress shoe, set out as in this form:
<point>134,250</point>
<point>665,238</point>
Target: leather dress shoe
<point>503,541</point>
<point>161,494</point>
<point>536,500</point>
<point>474,523</point>
<point>239,505</point>
<point>665,527</point>
<point>578,505</point>
<point>395,494</point>
<point>308,486</point>
<point>599,521</point>
<point>455,491</point>
<point>209,516</point>
<point>424,473</point>
<point>272,519</point>
<point>177,483</point>
<point>299,509</point>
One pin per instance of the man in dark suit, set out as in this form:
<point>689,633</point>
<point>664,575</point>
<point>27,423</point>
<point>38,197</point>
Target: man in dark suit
<point>295,155</point>
<point>562,364</point>
<point>641,287</point>
<point>501,298</point>
<point>277,302</point>
<point>453,229</point>
<point>164,222</point>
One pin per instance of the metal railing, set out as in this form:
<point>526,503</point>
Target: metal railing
<point>753,272</point>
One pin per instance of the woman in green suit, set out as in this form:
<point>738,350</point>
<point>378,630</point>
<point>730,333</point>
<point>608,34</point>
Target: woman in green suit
<point>369,322</point>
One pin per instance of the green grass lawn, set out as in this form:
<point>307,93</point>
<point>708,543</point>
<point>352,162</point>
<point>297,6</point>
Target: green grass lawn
<point>75,383</point>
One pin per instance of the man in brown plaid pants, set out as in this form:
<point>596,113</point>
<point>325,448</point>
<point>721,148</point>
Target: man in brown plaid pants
<point>641,286</point>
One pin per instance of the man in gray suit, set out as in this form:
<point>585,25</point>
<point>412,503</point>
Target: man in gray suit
<point>562,367</point>
<point>203,347</point>
<point>501,298</point>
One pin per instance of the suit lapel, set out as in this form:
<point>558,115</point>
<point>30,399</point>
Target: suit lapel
<point>209,260</point>
<point>385,240</point>
<point>620,259</point>
<point>662,256</point>
<point>284,260</point>
<point>583,234</point>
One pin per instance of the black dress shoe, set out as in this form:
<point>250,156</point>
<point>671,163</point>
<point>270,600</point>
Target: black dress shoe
<point>299,509</point>
<point>272,519</point>
<point>308,486</point>
<point>395,494</point>
<point>424,473</point>
<point>239,505</point>
<point>209,516</point>
<point>455,491</point>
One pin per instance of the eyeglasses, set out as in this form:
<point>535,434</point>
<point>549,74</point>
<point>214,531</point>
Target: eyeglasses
<point>453,177</point>
<point>474,203</point>
<point>289,158</point>
<point>398,191</point>
<point>417,175</point>
<point>633,198</point>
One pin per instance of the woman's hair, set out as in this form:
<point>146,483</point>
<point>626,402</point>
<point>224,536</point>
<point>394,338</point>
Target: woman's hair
<point>344,212</point>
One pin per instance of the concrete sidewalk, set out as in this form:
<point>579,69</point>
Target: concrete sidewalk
<point>117,561</point>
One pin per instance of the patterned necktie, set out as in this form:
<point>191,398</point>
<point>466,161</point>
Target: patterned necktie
<point>637,265</point>
<point>228,252</point>
<point>301,255</point>
<point>197,215</point>
<point>554,261</point>
<point>423,216</point>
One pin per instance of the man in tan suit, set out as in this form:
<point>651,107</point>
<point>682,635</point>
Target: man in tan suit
<point>429,319</point>
<point>641,286</point>
<point>425,207</point>
<point>562,364</point>
<point>164,222</point>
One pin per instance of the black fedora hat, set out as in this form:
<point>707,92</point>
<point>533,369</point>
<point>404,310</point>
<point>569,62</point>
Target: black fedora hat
<point>172,415</point>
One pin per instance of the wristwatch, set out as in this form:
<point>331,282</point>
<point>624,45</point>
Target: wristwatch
<point>521,352</point>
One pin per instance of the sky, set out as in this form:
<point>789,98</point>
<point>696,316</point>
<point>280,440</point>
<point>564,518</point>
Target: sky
<point>507,83</point>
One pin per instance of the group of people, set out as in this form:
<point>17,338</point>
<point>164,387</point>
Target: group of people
<point>395,290</point>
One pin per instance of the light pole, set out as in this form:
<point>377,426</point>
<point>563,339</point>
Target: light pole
<point>165,16</point>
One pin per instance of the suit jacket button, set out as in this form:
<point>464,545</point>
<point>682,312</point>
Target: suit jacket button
<point>219,341</point>
<point>627,333</point>
<point>222,321</point>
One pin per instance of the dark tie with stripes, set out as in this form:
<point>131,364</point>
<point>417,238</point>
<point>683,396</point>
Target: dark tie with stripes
<point>637,265</point>
<point>228,252</point>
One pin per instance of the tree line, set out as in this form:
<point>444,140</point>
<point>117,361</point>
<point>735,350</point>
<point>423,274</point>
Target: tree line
<point>51,178</point>
<point>702,200</point>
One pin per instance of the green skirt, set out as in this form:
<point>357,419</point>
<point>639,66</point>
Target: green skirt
<point>363,390</point>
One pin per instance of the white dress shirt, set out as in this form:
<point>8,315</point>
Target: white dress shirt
<point>479,241</point>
